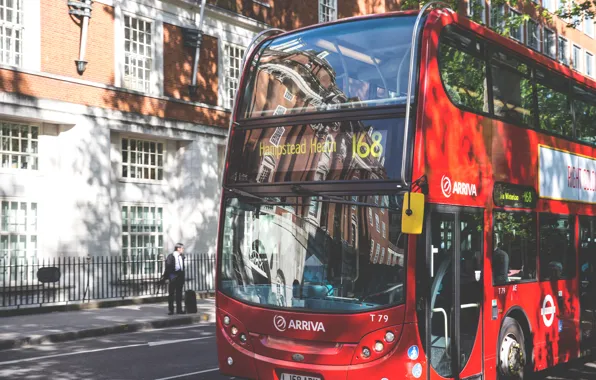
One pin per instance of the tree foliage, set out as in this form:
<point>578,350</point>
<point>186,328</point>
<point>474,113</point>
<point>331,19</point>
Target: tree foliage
<point>573,13</point>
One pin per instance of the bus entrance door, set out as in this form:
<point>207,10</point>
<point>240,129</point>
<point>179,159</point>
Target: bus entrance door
<point>452,331</point>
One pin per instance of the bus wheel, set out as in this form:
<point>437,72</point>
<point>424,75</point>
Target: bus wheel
<point>512,352</point>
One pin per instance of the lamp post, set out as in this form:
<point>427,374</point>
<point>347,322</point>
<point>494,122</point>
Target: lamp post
<point>82,10</point>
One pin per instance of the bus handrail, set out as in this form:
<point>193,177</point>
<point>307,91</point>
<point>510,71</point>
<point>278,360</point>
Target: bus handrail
<point>410,79</point>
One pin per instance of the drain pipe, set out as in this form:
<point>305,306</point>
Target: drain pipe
<point>81,9</point>
<point>195,67</point>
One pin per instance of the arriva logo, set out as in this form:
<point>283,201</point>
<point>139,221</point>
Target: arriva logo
<point>281,324</point>
<point>461,188</point>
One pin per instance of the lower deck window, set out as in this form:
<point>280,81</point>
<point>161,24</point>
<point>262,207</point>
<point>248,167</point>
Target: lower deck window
<point>514,247</point>
<point>557,253</point>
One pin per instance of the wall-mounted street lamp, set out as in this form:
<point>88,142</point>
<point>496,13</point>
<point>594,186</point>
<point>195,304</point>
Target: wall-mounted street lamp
<point>82,10</point>
<point>194,37</point>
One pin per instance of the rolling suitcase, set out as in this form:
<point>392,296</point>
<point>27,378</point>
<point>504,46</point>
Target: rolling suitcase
<point>190,301</point>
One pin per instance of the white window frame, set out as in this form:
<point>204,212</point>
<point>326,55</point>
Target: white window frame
<point>539,38</point>
<point>132,9</point>
<point>31,158</point>
<point>30,234</point>
<point>589,31</point>
<point>228,102</point>
<point>150,268</point>
<point>521,26</point>
<point>555,42</point>
<point>30,28</point>
<point>143,166</point>
<point>578,66</point>
<point>377,251</point>
<point>586,54</point>
<point>382,258</point>
<point>384,229</point>
<point>566,57</point>
<point>141,83</point>
<point>483,4</point>
<point>331,5</point>
<point>377,222</point>
<point>549,5</point>
<point>277,135</point>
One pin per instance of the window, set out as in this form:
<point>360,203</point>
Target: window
<point>377,222</point>
<point>142,240</point>
<point>576,59</point>
<point>288,96</point>
<point>327,10</point>
<point>11,32</point>
<point>142,159</point>
<point>18,240</point>
<point>280,110</point>
<point>384,229</point>
<point>313,210</point>
<point>589,26</point>
<point>563,51</point>
<point>589,64</point>
<point>549,5</point>
<point>584,105</point>
<point>476,10</point>
<point>138,53</point>
<point>376,259</point>
<point>463,70</point>
<point>513,94</point>
<point>554,114</point>
<point>516,31</point>
<point>276,137</point>
<point>533,37</point>
<point>372,248</point>
<point>514,247</point>
<point>18,146</point>
<point>550,47</point>
<point>497,17</point>
<point>233,55</point>
<point>381,260</point>
<point>557,253</point>
<point>370,216</point>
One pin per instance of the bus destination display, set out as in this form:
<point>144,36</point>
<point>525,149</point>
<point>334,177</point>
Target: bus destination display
<point>510,195</point>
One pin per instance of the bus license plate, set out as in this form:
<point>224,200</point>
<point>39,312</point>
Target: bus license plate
<point>289,376</point>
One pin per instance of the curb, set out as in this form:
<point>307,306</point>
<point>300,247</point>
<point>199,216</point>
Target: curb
<point>102,331</point>
<point>92,305</point>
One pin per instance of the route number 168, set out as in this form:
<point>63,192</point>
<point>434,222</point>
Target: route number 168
<point>379,317</point>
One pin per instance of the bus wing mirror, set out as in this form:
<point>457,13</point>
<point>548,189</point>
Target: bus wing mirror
<point>412,213</point>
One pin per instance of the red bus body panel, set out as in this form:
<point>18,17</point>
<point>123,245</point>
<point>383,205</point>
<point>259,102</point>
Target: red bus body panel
<point>449,142</point>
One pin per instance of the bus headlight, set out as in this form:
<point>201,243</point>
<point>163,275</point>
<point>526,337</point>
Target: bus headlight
<point>234,330</point>
<point>376,344</point>
<point>379,346</point>
<point>226,320</point>
<point>366,352</point>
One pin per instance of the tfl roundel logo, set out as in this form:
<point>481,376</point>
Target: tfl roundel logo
<point>446,186</point>
<point>280,323</point>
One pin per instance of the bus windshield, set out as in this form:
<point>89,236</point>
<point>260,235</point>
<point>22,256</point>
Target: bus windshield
<point>345,65</point>
<point>314,254</point>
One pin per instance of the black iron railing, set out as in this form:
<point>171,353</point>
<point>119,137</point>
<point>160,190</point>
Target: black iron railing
<point>85,279</point>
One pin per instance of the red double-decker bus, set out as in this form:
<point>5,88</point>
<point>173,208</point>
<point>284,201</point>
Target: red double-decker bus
<point>406,195</point>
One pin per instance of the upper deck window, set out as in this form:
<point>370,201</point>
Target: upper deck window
<point>352,64</point>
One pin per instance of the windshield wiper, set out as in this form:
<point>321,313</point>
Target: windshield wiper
<point>335,199</point>
<point>266,201</point>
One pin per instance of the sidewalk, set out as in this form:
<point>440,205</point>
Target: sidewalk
<point>37,329</point>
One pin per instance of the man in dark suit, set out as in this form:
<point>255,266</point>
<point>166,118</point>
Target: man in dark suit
<point>174,271</point>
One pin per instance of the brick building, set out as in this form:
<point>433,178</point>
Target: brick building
<point>124,157</point>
